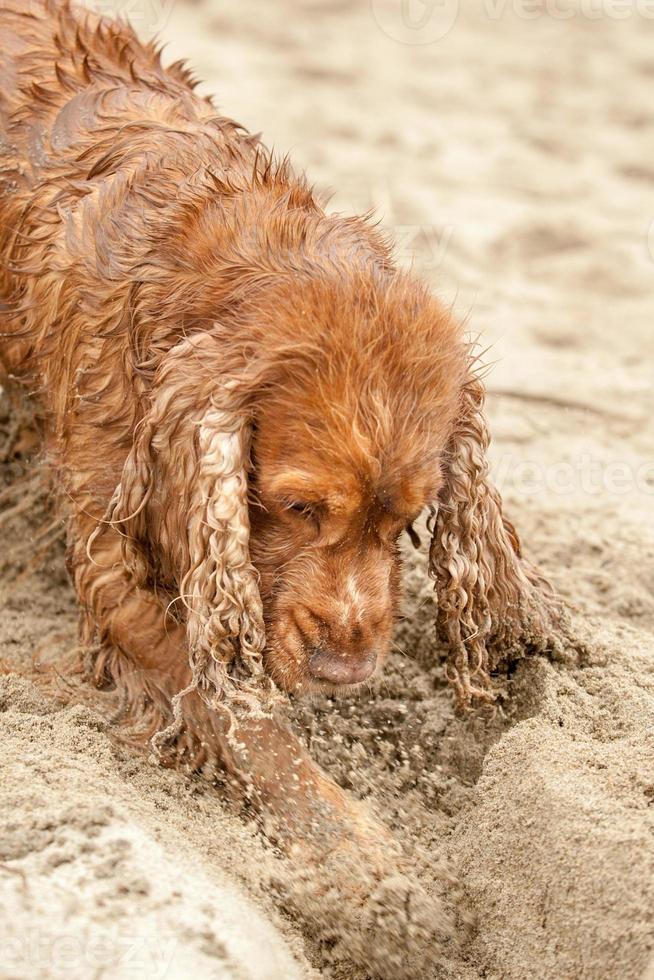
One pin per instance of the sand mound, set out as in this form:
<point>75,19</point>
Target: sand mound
<point>96,881</point>
<point>558,854</point>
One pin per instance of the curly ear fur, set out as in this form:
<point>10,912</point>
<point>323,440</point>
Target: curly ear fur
<point>184,486</point>
<point>490,600</point>
<point>225,617</point>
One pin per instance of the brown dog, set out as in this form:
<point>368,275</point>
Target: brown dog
<point>244,402</point>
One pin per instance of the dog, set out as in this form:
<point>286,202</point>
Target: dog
<point>244,404</point>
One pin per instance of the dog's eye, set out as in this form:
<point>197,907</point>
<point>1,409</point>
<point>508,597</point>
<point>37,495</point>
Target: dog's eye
<point>301,508</point>
<point>310,513</point>
<point>414,537</point>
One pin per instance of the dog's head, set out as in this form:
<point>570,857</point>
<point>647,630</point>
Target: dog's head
<point>281,459</point>
<point>347,451</point>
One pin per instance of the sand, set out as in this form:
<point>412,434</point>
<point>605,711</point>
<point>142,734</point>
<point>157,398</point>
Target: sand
<point>508,146</point>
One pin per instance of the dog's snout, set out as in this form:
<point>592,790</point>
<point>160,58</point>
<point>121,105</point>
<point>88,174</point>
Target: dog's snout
<point>340,669</point>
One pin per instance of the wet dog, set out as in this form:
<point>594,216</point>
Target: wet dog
<point>245,404</point>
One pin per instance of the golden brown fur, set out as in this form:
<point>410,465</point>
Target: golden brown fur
<point>243,400</point>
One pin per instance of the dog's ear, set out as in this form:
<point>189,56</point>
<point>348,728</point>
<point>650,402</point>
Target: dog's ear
<point>491,601</point>
<point>181,508</point>
<point>225,619</point>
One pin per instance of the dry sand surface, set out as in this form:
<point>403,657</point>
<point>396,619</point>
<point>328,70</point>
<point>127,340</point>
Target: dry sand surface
<point>512,156</point>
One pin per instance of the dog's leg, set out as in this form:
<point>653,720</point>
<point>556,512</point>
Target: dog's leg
<point>345,874</point>
<point>145,656</point>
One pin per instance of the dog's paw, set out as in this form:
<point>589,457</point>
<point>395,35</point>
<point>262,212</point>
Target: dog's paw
<point>404,932</point>
<point>357,903</point>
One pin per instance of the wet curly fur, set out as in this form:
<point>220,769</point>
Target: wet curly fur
<point>244,402</point>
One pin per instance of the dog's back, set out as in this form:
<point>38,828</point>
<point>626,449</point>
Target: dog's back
<point>96,134</point>
<point>67,74</point>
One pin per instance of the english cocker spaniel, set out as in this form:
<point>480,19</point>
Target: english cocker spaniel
<point>244,403</point>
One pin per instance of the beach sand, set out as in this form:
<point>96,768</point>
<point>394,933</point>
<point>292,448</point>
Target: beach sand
<point>509,150</point>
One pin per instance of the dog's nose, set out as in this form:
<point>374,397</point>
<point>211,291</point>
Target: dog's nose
<point>326,665</point>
